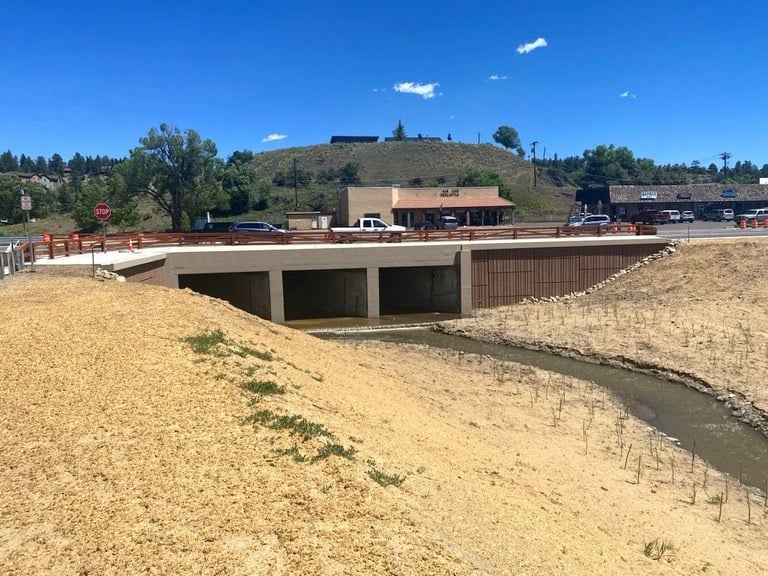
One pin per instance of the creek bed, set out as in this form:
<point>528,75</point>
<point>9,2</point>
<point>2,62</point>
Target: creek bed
<point>680,412</point>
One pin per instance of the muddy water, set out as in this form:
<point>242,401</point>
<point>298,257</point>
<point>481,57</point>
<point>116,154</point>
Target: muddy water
<point>688,415</point>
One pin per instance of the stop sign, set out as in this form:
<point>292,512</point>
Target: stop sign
<point>102,211</point>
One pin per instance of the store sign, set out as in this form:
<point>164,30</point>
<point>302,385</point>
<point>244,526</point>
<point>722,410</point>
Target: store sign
<point>648,195</point>
<point>683,195</point>
<point>445,192</point>
<point>728,193</point>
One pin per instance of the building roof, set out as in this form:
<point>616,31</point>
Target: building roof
<point>688,193</point>
<point>349,139</point>
<point>452,202</point>
<point>413,139</point>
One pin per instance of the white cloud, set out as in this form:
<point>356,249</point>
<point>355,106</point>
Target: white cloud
<point>627,94</point>
<point>274,137</point>
<point>379,89</point>
<point>426,91</point>
<point>497,77</point>
<point>531,46</point>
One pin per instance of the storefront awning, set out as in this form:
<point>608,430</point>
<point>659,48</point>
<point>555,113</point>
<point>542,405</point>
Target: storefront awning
<point>452,203</point>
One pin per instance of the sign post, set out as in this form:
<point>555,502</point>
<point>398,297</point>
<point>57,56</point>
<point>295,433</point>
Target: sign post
<point>102,211</point>
<point>26,206</point>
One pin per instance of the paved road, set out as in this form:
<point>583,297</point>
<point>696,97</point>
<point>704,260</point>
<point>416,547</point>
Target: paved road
<point>701,229</point>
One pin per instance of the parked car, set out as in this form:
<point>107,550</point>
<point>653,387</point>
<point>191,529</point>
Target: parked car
<point>756,216</point>
<point>650,217</point>
<point>424,225</point>
<point>591,220</point>
<point>448,222</point>
<point>686,216</point>
<point>671,216</point>
<point>213,227</point>
<point>576,220</point>
<point>251,226</point>
<point>717,214</point>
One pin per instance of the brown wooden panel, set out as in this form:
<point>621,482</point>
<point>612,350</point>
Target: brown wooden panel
<point>503,277</point>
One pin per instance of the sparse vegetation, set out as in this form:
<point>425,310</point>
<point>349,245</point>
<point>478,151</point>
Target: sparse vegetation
<point>384,479</point>
<point>295,424</point>
<point>330,449</point>
<point>263,387</point>
<point>656,548</point>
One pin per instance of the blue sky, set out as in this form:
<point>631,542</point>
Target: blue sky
<point>674,81</point>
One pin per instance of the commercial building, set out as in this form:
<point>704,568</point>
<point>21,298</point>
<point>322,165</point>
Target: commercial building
<point>472,206</point>
<point>622,202</point>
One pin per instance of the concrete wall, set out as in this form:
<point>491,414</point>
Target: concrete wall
<point>248,291</point>
<point>369,279</point>
<point>325,294</point>
<point>413,290</point>
<point>355,203</point>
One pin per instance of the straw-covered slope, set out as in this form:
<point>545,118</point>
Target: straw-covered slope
<point>146,430</point>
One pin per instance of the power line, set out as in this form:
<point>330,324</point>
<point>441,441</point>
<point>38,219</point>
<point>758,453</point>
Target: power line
<point>724,157</point>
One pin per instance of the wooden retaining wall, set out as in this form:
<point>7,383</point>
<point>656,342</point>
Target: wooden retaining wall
<point>503,277</point>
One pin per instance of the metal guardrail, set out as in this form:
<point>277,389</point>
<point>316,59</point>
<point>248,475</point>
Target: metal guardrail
<point>11,257</point>
<point>55,246</point>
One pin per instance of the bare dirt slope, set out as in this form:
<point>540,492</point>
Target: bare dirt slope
<point>701,313</point>
<point>124,450</point>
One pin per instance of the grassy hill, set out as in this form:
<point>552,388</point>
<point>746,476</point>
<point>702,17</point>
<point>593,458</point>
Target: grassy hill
<point>424,163</point>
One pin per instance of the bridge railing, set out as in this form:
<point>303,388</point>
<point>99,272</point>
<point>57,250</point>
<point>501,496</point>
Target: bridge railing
<point>55,246</point>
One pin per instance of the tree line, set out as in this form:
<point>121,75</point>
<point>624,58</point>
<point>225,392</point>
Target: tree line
<point>181,173</point>
<point>612,165</point>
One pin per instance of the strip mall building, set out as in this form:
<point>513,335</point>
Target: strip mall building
<point>473,206</point>
<point>623,202</point>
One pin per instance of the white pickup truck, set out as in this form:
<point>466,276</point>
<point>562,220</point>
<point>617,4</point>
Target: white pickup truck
<point>370,225</point>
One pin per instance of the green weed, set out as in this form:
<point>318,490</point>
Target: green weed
<point>331,449</point>
<point>206,343</point>
<point>383,479</point>
<point>263,387</point>
<point>293,452</point>
<point>655,549</point>
<point>295,424</point>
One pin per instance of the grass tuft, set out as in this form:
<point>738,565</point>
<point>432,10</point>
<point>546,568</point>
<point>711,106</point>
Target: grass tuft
<point>207,342</point>
<point>655,549</point>
<point>295,424</point>
<point>383,479</point>
<point>331,449</point>
<point>263,387</point>
<point>293,452</point>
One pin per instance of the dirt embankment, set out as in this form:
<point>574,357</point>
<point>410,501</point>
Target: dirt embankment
<point>698,317</point>
<point>152,430</point>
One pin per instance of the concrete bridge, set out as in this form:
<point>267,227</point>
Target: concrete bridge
<point>294,282</point>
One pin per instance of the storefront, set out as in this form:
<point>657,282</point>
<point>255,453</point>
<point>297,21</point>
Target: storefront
<point>472,206</point>
<point>624,202</point>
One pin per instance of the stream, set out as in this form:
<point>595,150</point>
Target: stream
<point>683,413</point>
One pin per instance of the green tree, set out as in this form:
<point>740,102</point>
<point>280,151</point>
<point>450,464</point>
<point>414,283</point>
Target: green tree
<point>10,194</point>
<point>508,137</point>
<point>399,131</point>
<point>56,165</point>
<point>238,180</point>
<point>8,162</point>
<point>178,171</point>
<point>349,174</point>
<point>475,176</point>
<point>90,195</point>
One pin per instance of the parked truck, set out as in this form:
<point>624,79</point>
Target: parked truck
<point>369,225</point>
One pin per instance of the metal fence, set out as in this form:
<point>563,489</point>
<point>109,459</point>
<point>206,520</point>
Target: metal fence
<point>11,258</point>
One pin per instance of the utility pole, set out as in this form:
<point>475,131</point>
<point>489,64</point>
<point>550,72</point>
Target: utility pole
<point>295,186</point>
<point>533,144</point>
<point>724,157</point>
